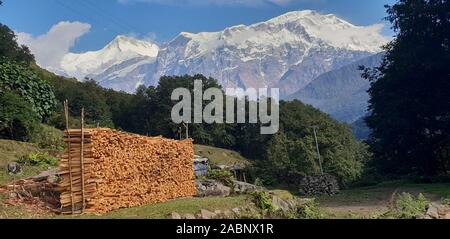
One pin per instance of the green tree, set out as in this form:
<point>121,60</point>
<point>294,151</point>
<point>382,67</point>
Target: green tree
<point>23,81</point>
<point>17,118</point>
<point>152,106</point>
<point>291,154</point>
<point>10,49</point>
<point>410,92</point>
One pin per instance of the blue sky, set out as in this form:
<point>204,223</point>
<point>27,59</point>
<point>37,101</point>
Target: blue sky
<point>161,20</point>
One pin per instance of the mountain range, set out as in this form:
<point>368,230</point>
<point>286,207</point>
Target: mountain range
<point>290,52</point>
<point>342,93</point>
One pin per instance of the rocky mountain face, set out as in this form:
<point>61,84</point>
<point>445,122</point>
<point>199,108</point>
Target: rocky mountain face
<point>286,52</point>
<point>342,93</point>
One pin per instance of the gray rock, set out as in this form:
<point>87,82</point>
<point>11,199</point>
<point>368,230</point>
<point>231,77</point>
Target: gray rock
<point>246,188</point>
<point>423,217</point>
<point>189,216</point>
<point>207,214</point>
<point>228,214</point>
<point>211,188</point>
<point>175,216</point>
<point>14,168</point>
<point>280,204</point>
<point>236,211</point>
<point>432,211</point>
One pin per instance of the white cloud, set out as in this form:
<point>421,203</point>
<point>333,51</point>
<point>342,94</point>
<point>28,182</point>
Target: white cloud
<point>50,48</point>
<point>250,3</point>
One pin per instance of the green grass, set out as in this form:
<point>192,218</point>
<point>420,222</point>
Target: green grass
<point>12,151</point>
<point>384,190</point>
<point>163,210</point>
<point>220,156</point>
<point>441,189</point>
<point>283,194</point>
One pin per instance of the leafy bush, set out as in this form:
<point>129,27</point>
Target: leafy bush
<point>47,137</point>
<point>263,201</point>
<point>309,210</point>
<point>23,81</point>
<point>39,159</point>
<point>223,176</point>
<point>259,182</point>
<point>409,207</point>
<point>17,119</point>
<point>446,201</point>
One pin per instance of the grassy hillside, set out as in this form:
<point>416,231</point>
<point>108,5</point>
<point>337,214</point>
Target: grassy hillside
<point>220,156</point>
<point>182,206</point>
<point>11,151</point>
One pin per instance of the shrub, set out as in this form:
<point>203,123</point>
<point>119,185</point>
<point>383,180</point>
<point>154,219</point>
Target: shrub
<point>309,210</point>
<point>259,182</point>
<point>223,176</point>
<point>17,119</point>
<point>409,207</point>
<point>47,137</point>
<point>263,201</point>
<point>446,201</point>
<point>39,159</point>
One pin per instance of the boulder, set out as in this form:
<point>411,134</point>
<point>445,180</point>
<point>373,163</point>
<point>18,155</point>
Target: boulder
<point>189,216</point>
<point>236,211</point>
<point>14,168</point>
<point>246,188</point>
<point>207,214</point>
<point>423,217</point>
<point>228,214</point>
<point>175,216</point>
<point>280,204</point>
<point>433,211</point>
<point>50,176</point>
<point>211,188</point>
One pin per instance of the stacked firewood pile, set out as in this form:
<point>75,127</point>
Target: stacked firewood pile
<point>319,185</point>
<point>123,170</point>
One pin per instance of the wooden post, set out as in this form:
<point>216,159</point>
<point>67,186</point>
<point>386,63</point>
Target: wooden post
<point>318,150</point>
<point>66,114</point>
<point>82,163</point>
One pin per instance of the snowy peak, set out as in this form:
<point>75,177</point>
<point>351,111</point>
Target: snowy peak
<point>304,27</point>
<point>335,31</point>
<point>119,50</point>
<point>127,44</point>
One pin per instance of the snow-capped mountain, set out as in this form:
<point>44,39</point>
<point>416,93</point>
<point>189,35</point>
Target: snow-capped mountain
<point>287,52</point>
<point>120,50</point>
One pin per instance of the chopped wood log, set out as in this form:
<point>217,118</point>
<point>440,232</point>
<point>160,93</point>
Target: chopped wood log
<point>123,170</point>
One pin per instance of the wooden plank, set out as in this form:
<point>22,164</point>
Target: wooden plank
<point>66,108</point>
<point>82,161</point>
